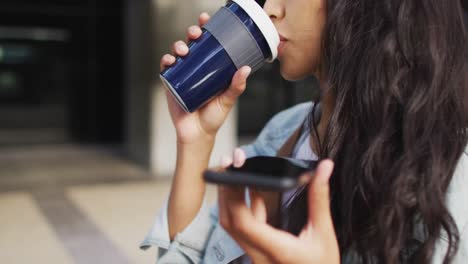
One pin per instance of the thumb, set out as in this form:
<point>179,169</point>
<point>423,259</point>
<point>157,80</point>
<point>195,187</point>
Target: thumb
<point>239,158</point>
<point>319,198</point>
<point>239,81</point>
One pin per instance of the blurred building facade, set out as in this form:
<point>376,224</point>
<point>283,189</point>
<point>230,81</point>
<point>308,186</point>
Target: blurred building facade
<point>86,72</point>
<point>60,76</point>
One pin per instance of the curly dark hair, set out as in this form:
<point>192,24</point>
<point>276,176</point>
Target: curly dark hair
<point>397,70</point>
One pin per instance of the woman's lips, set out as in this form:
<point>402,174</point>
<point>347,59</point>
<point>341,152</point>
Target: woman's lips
<point>283,41</point>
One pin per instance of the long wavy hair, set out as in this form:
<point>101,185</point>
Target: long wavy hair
<point>397,70</point>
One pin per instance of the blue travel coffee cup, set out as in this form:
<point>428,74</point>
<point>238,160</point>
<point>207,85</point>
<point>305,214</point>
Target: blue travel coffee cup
<point>239,34</point>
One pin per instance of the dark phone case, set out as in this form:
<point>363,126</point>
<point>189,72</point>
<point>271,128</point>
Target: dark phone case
<point>269,173</point>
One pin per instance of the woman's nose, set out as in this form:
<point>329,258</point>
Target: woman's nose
<point>274,9</point>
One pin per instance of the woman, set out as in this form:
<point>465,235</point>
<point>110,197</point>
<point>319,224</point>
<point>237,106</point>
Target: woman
<point>392,117</point>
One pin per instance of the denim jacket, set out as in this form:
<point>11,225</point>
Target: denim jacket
<point>205,241</point>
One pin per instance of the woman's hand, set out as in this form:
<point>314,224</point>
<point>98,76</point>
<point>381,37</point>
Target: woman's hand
<point>271,199</point>
<point>202,125</point>
<point>316,243</point>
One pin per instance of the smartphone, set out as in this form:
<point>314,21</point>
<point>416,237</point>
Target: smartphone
<point>264,172</point>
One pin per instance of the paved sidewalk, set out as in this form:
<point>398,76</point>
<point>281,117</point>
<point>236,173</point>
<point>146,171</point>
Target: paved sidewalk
<point>70,204</point>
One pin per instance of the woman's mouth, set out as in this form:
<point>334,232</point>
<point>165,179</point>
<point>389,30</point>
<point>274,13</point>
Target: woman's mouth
<point>283,41</point>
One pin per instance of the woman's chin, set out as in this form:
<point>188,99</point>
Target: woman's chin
<point>291,74</point>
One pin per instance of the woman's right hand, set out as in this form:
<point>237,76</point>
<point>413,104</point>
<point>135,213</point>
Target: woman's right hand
<point>202,125</point>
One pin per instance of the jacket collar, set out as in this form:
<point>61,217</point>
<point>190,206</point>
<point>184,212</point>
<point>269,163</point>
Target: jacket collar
<point>287,148</point>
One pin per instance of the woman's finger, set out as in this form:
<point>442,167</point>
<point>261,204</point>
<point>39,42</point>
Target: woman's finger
<point>193,32</point>
<point>239,158</point>
<point>225,220</point>
<point>258,206</point>
<point>239,82</point>
<point>166,60</point>
<point>203,19</point>
<point>223,214</point>
<point>319,198</point>
<point>180,48</point>
<point>241,217</point>
<point>253,235</point>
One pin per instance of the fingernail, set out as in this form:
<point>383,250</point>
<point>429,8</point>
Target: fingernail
<point>238,158</point>
<point>193,30</point>
<point>181,47</point>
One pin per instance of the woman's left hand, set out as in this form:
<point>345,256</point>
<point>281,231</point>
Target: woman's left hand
<point>263,243</point>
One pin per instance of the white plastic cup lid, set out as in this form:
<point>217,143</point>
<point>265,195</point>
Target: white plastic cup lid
<point>264,23</point>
